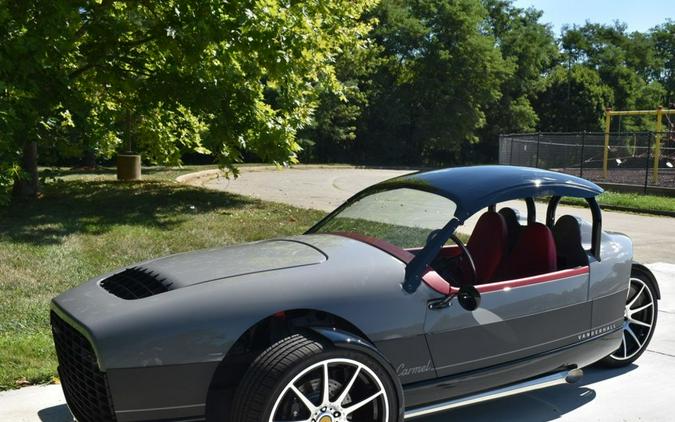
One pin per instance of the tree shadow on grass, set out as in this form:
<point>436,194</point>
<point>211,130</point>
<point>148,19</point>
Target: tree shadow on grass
<point>56,172</point>
<point>95,207</point>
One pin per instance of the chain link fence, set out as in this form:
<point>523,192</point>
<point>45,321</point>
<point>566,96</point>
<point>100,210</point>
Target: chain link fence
<point>631,157</point>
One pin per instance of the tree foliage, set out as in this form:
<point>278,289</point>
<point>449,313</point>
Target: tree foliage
<point>574,100</point>
<point>167,77</point>
<point>628,64</point>
<point>418,82</point>
<point>530,48</point>
<point>427,91</point>
<point>447,77</point>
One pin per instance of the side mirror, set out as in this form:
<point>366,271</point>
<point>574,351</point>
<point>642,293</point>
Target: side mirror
<point>469,298</point>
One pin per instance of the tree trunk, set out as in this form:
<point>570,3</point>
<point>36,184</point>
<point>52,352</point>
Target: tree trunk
<point>30,185</point>
<point>89,158</point>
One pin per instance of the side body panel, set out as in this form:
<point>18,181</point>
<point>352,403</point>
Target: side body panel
<point>471,382</point>
<point>510,324</point>
<point>609,282</point>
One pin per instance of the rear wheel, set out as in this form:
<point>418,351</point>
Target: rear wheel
<point>300,379</point>
<point>639,321</point>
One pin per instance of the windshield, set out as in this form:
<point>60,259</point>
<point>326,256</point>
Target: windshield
<point>404,217</point>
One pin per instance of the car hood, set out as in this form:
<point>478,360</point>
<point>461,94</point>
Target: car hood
<point>186,269</point>
<point>231,289</point>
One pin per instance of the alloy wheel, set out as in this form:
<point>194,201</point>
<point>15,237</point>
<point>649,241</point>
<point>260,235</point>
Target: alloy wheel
<point>638,320</point>
<point>333,390</point>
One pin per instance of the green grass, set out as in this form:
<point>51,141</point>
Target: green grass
<point>634,201</point>
<point>87,224</point>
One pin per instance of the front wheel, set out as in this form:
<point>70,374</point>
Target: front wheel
<point>639,321</point>
<point>300,379</point>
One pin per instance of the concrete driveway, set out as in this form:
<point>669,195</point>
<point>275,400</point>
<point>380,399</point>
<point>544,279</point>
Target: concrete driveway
<point>640,392</point>
<point>326,188</point>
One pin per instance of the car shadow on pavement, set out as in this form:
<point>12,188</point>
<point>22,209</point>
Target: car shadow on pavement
<point>539,406</point>
<point>59,413</point>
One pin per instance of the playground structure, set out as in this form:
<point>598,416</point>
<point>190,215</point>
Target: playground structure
<point>629,157</point>
<point>658,134</point>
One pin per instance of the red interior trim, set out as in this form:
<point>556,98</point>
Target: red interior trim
<point>438,283</point>
<point>527,281</point>
<point>383,245</point>
<point>448,251</point>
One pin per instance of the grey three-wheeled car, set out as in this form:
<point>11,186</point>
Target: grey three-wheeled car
<point>396,305</point>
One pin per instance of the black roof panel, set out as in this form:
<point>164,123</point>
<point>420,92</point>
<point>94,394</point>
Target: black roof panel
<point>474,188</point>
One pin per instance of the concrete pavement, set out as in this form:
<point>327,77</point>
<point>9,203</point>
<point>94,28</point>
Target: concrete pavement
<point>326,188</point>
<point>640,392</point>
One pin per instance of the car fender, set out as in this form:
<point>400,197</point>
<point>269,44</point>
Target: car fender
<point>648,273</point>
<point>346,340</point>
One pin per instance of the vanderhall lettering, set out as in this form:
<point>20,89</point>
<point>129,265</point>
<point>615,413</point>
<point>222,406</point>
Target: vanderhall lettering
<point>370,315</point>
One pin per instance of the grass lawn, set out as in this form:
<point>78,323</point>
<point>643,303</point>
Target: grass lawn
<point>638,201</point>
<point>88,224</point>
<point>633,201</point>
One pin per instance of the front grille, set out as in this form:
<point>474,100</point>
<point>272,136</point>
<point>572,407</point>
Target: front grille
<point>84,385</point>
<point>135,283</point>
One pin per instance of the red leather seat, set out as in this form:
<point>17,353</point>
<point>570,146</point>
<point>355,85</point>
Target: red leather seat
<point>534,253</point>
<point>487,245</point>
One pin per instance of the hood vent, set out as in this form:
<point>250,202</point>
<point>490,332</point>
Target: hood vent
<point>136,283</point>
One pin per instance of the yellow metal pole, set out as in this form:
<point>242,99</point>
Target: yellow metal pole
<point>605,156</point>
<point>634,113</point>
<point>657,145</point>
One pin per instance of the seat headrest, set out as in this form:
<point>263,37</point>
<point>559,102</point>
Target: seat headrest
<point>510,214</point>
<point>489,224</point>
<point>567,235</point>
<point>511,217</point>
<point>487,245</point>
<point>538,231</point>
<point>567,229</point>
<point>533,254</point>
<point>513,227</point>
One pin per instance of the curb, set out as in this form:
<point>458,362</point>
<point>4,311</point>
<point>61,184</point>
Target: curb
<point>200,178</point>
<point>658,213</point>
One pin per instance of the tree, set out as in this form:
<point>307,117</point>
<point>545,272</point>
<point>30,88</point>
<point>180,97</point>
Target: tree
<point>663,37</point>
<point>439,72</point>
<point>331,136</point>
<point>34,40</point>
<point>98,74</point>
<point>529,46</point>
<point>584,109</point>
<point>628,63</point>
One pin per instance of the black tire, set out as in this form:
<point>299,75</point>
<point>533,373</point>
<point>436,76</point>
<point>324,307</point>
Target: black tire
<point>622,357</point>
<point>272,372</point>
